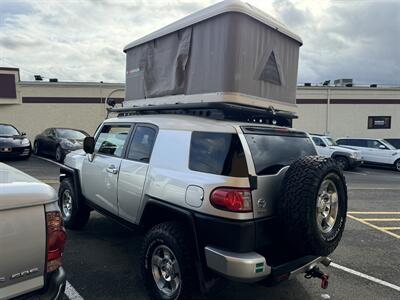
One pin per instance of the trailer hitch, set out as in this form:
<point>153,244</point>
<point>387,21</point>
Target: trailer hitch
<point>315,272</point>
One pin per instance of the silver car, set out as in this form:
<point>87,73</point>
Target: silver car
<point>248,202</point>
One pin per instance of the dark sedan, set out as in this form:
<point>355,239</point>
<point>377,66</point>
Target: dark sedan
<point>13,144</point>
<point>58,142</point>
<point>394,142</point>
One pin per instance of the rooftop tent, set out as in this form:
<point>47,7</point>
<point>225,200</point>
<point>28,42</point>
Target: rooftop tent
<point>229,52</point>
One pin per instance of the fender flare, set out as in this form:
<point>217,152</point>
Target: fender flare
<point>67,172</point>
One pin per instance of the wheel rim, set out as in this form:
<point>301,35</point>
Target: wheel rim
<point>58,154</point>
<point>66,203</point>
<point>398,165</point>
<point>327,206</point>
<point>166,272</point>
<point>342,163</point>
<point>36,148</point>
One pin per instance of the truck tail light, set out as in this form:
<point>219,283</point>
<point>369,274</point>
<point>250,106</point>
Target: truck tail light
<point>238,200</point>
<point>56,237</point>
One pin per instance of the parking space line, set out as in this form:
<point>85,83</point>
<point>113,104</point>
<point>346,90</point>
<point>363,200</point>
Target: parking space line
<point>381,219</point>
<point>71,293</point>
<point>390,228</point>
<point>49,160</point>
<point>374,226</point>
<point>50,181</point>
<point>365,276</point>
<point>374,212</point>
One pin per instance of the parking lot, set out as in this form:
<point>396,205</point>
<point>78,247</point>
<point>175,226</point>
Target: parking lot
<point>102,260</point>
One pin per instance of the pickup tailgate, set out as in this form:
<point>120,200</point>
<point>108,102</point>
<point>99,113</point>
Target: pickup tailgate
<point>22,250</point>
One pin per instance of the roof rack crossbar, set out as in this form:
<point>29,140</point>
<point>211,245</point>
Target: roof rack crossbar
<point>214,110</point>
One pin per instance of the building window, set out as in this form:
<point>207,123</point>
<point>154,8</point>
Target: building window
<point>379,122</point>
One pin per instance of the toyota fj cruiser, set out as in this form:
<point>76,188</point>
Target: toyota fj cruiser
<point>217,198</point>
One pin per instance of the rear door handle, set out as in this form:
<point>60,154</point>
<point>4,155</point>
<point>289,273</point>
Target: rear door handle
<point>112,169</point>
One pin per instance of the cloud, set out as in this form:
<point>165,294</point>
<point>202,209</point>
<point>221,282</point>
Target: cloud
<point>83,40</point>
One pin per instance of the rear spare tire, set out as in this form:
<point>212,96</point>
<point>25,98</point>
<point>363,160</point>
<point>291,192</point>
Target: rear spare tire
<point>313,205</point>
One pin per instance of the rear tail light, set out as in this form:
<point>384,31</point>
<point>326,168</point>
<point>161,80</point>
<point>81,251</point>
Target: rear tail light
<point>238,200</point>
<point>56,237</point>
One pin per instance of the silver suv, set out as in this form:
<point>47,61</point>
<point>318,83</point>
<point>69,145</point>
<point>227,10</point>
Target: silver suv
<point>248,202</point>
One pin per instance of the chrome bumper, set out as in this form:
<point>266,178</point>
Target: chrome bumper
<point>251,266</point>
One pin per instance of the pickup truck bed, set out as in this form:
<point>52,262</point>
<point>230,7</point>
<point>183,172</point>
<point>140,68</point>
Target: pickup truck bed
<point>25,204</point>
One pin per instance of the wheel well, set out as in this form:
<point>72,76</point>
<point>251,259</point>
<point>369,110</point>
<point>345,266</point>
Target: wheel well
<point>156,213</point>
<point>340,155</point>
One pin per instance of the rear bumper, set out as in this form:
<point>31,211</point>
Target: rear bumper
<point>252,267</point>
<point>53,290</point>
<point>55,286</point>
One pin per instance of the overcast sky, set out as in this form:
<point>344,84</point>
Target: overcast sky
<point>83,40</point>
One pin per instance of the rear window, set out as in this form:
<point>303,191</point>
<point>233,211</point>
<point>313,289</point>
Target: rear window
<point>394,142</point>
<point>217,153</point>
<point>272,151</point>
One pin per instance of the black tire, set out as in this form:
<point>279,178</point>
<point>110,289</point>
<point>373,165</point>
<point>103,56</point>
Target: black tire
<point>298,206</point>
<point>79,214</point>
<point>59,155</point>
<point>174,236</point>
<point>343,162</point>
<point>36,149</point>
<point>397,165</point>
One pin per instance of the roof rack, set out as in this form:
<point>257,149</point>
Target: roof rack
<point>214,110</point>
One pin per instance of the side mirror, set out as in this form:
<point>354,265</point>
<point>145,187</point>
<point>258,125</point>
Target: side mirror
<point>382,147</point>
<point>23,133</point>
<point>322,145</point>
<point>88,145</point>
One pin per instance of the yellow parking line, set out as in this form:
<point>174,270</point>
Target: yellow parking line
<point>381,219</point>
<point>390,228</point>
<point>374,226</point>
<point>374,212</point>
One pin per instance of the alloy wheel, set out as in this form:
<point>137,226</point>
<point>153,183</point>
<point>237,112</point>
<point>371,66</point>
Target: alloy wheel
<point>166,272</point>
<point>327,206</point>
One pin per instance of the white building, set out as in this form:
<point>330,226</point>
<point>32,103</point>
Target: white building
<point>358,111</point>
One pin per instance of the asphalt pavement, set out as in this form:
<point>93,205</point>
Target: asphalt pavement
<point>102,260</point>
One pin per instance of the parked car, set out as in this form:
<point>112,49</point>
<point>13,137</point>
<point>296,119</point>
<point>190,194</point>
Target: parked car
<point>58,142</point>
<point>394,142</point>
<point>13,144</point>
<point>345,157</point>
<point>32,238</point>
<point>210,195</point>
<point>374,151</point>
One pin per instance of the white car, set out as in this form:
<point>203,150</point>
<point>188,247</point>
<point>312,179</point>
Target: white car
<point>374,151</point>
<point>345,157</point>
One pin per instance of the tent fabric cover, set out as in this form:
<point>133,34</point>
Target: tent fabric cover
<point>231,52</point>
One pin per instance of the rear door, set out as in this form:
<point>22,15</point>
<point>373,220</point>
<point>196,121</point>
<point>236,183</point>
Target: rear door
<point>100,174</point>
<point>272,151</point>
<point>133,171</point>
<point>379,152</point>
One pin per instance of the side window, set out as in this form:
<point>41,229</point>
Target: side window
<point>217,153</point>
<point>111,139</point>
<point>142,144</point>
<point>52,132</point>
<point>342,142</point>
<point>318,142</point>
<point>361,143</point>
<point>375,144</point>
